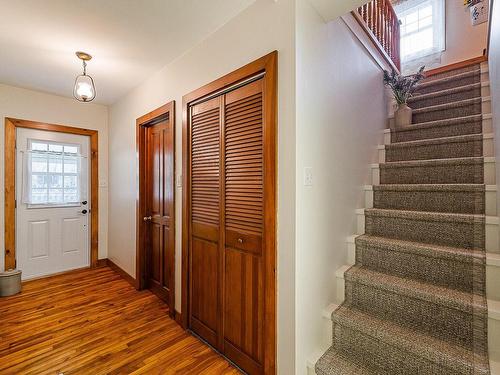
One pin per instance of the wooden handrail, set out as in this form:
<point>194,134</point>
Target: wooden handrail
<point>380,21</point>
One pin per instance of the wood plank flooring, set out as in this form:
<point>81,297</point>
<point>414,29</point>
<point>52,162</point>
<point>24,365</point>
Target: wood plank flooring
<point>94,322</point>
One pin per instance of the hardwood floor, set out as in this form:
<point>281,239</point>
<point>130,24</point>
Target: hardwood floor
<point>94,322</point>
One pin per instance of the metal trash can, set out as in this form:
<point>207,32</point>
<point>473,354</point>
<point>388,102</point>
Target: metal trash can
<point>10,283</point>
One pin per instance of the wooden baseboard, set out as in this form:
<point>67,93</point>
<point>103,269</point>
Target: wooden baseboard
<point>121,272</point>
<point>458,65</point>
<point>178,317</point>
<point>101,263</point>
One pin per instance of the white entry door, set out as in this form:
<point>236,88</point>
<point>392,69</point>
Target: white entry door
<point>53,202</point>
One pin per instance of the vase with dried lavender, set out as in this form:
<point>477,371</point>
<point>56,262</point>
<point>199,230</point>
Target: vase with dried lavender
<point>403,88</point>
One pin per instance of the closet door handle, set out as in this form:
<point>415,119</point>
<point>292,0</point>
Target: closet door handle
<point>147,218</point>
<point>240,240</point>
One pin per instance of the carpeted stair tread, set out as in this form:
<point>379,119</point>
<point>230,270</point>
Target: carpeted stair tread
<point>441,107</point>
<point>435,81</point>
<point>448,229</point>
<point>427,216</point>
<point>469,170</point>
<point>449,161</point>
<point>446,92</point>
<point>437,141</point>
<point>430,187</point>
<point>454,299</point>
<point>452,198</point>
<point>460,108</point>
<point>335,363</point>
<point>451,267</point>
<point>438,129</point>
<point>429,250</point>
<point>410,343</point>
<point>454,80</point>
<point>454,72</point>
<point>437,148</point>
<point>447,95</point>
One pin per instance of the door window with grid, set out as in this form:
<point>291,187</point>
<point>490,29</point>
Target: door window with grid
<point>422,28</point>
<point>52,174</point>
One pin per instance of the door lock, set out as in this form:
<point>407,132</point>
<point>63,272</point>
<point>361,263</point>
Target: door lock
<point>147,218</point>
<point>84,203</point>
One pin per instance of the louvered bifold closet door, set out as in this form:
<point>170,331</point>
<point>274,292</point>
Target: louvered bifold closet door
<point>205,219</point>
<point>243,216</point>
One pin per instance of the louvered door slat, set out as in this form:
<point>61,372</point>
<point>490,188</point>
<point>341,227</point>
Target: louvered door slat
<point>205,166</point>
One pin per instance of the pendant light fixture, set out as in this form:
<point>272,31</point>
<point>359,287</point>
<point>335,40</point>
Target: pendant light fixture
<point>84,89</point>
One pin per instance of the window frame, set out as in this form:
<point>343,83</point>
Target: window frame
<point>438,16</point>
<point>80,188</point>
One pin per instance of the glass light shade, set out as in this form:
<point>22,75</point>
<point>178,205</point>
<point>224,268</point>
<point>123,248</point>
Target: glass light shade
<point>84,89</point>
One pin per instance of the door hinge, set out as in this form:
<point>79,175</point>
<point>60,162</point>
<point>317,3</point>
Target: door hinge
<point>15,203</point>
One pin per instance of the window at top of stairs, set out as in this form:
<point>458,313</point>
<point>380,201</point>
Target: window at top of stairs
<point>422,28</point>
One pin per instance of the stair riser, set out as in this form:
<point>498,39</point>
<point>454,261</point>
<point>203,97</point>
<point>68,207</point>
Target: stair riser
<point>416,103</point>
<point>439,271</point>
<point>493,282</point>
<point>434,201</point>
<point>457,234</point>
<point>494,340</point>
<point>472,148</point>
<point>434,319</point>
<point>448,113</point>
<point>440,131</point>
<point>376,354</point>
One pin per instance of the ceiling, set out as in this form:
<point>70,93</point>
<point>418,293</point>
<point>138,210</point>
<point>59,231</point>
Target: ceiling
<point>129,40</point>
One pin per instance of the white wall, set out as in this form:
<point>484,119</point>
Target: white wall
<point>341,113</point>
<point>463,41</point>
<point>263,27</point>
<point>37,106</point>
<point>494,66</point>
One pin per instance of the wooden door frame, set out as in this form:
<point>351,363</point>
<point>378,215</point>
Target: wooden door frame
<point>11,124</point>
<point>267,65</point>
<point>167,110</point>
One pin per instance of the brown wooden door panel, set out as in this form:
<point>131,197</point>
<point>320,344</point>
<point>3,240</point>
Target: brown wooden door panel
<point>243,309</point>
<point>204,284</point>
<point>155,256</point>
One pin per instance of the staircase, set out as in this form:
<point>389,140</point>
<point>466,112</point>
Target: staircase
<point>422,295</point>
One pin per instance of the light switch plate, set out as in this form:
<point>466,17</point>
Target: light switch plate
<point>308,176</point>
<point>179,181</point>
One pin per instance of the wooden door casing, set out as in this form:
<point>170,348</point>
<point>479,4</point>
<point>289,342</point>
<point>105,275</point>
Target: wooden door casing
<point>229,265</point>
<point>155,257</point>
<point>10,184</point>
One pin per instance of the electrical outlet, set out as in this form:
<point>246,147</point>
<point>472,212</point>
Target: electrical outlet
<point>308,176</point>
<point>179,181</point>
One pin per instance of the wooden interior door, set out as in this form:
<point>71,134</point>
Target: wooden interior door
<point>160,246</point>
<point>227,224</point>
